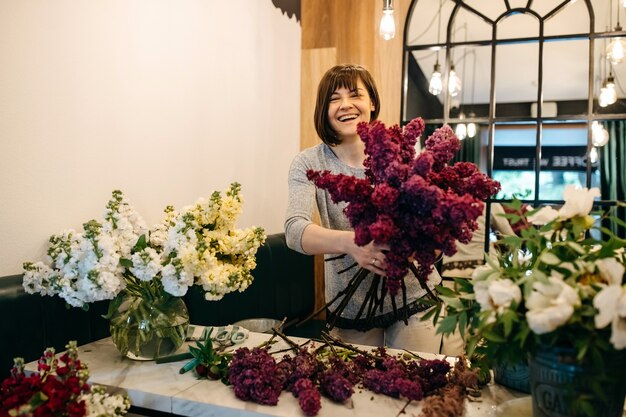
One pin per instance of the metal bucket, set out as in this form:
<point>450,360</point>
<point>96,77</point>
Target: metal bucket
<point>556,381</point>
<point>258,325</point>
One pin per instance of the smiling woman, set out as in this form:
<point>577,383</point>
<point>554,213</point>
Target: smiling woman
<point>347,96</point>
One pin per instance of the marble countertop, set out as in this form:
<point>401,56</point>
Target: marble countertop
<point>162,388</point>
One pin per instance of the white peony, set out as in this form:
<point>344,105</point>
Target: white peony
<point>611,305</point>
<point>543,216</point>
<point>550,305</point>
<point>611,270</point>
<point>578,201</point>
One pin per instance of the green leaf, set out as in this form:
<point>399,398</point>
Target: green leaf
<point>453,302</point>
<point>141,244</point>
<point>493,336</point>
<point>126,263</point>
<point>462,324</point>
<point>447,325</point>
<point>37,399</point>
<point>549,258</point>
<point>508,318</point>
<point>113,306</point>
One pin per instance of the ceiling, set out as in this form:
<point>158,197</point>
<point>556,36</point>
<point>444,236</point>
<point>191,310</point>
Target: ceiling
<point>565,61</point>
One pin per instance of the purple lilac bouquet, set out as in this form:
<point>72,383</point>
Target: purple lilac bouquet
<point>417,204</point>
<point>335,369</point>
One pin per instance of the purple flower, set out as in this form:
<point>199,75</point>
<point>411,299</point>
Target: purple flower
<point>310,401</point>
<point>335,386</point>
<point>417,204</point>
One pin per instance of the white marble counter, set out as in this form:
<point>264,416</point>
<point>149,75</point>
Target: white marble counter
<point>161,387</point>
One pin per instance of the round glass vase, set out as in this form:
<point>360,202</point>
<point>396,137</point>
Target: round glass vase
<point>145,328</point>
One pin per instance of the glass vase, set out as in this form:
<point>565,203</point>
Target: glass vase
<point>557,382</point>
<point>145,328</point>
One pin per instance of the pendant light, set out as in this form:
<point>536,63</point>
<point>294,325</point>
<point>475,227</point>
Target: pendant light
<point>435,86</point>
<point>593,155</point>
<point>599,135</point>
<point>461,128</point>
<point>387,27</point>
<point>454,82</point>
<point>608,95</point>
<point>615,50</point>
<point>471,127</point>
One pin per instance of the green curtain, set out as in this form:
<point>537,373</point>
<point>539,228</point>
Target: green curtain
<point>613,169</point>
<point>470,150</point>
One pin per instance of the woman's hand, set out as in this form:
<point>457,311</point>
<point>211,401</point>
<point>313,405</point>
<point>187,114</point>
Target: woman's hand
<point>370,256</point>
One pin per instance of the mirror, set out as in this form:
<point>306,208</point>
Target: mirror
<point>535,79</point>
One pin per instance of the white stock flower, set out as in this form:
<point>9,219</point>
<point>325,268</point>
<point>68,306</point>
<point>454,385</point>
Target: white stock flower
<point>545,215</point>
<point>611,305</point>
<point>550,305</point>
<point>146,264</point>
<point>578,201</point>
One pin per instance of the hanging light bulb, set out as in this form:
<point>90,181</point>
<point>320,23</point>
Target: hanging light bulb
<point>387,28</point>
<point>471,127</point>
<point>454,83</point>
<point>436,85</point>
<point>593,155</point>
<point>615,50</point>
<point>599,135</point>
<point>608,95</point>
<point>461,128</point>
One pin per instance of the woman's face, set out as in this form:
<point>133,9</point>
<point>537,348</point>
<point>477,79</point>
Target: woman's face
<point>347,108</point>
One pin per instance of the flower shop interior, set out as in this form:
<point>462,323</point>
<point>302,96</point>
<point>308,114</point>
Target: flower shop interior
<point>168,101</point>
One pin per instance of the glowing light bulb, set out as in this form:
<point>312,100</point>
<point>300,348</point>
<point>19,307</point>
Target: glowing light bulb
<point>436,85</point>
<point>454,83</point>
<point>387,28</point>
<point>461,129</point>
<point>615,51</point>
<point>471,130</point>
<point>599,135</point>
<point>593,155</point>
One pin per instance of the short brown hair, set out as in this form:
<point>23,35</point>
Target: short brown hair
<point>341,76</point>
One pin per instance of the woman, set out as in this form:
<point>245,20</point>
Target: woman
<point>346,96</point>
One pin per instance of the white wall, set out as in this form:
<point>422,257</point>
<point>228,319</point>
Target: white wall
<point>166,100</point>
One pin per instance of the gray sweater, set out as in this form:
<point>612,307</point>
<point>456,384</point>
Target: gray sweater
<point>304,197</point>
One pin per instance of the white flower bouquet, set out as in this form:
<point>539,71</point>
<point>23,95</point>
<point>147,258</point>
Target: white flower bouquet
<point>121,257</point>
<point>560,283</point>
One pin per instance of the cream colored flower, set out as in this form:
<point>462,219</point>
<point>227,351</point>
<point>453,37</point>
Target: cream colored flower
<point>497,295</point>
<point>611,305</point>
<point>611,270</point>
<point>544,215</point>
<point>578,201</point>
<point>550,305</point>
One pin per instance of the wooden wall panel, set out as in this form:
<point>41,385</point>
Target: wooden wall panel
<point>318,25</point>
<point>346,31</point>
<point>315,62</point>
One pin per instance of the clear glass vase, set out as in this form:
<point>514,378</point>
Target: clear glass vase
<point>145,328</point>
